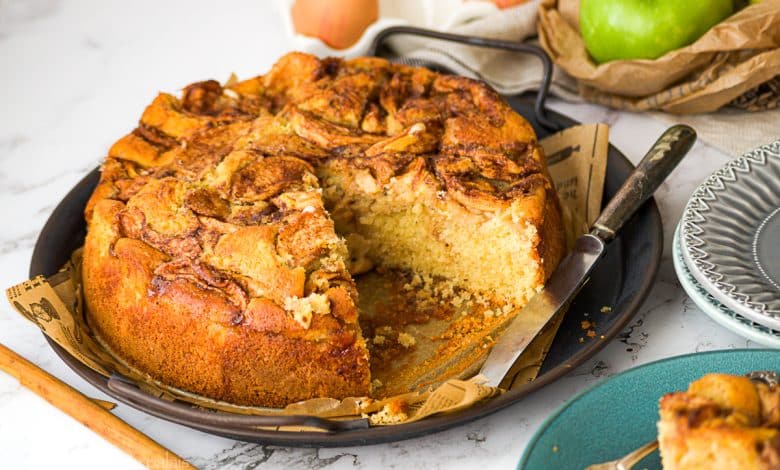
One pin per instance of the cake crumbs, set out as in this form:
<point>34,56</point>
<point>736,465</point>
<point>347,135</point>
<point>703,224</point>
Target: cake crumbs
<point>429,292</point>
<point>457,301</point>
<point>481,300</point>
<point>397,411</point>
<point>406,340</point>
<point>590,334</point>
<point>606,309</point>
<point>385,330</point>
<point>303,308</point>
<point>586,324</point>
<point>378,340</point>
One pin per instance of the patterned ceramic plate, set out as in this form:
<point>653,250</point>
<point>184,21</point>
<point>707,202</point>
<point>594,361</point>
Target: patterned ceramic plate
<point>722,315</point>
<point>730,235</point>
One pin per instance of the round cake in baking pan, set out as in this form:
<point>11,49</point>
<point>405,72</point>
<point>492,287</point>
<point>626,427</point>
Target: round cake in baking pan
<point>226,229</point>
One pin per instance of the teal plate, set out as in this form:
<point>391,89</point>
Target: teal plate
<point>619,414</point>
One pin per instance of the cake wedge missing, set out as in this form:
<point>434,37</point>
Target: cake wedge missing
<point>226,230</point>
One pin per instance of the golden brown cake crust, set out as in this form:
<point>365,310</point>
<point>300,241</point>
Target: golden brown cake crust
<point>210,261</point>
<point>721,422</point>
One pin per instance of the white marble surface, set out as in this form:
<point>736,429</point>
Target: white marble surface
<point>76,76</point>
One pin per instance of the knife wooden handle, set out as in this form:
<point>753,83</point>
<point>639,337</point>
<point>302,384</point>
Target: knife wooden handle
<point>662,158</point>
<point>88,413</point>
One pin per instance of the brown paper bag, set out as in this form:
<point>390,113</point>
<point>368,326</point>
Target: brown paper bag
<point>734,58</point>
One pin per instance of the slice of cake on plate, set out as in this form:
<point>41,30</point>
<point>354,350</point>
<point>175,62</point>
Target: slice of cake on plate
<point>721,422</point>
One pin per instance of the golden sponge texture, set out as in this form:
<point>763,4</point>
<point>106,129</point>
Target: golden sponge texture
<point>217,256</point>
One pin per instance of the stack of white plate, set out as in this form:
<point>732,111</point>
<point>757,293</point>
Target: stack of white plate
<point>727,246</point>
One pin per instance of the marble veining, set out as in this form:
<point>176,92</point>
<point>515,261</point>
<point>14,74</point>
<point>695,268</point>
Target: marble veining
<point>17,14</point>
<point>77,74</point>
<point>25,241</point>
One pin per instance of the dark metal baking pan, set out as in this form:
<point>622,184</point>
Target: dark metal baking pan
<point>621,280</point>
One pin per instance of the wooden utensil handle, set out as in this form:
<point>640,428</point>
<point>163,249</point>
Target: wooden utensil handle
<point>663,156</point>
<point>88,413</point>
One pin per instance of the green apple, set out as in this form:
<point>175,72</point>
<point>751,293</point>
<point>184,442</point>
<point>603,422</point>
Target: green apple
<point>646,29</point>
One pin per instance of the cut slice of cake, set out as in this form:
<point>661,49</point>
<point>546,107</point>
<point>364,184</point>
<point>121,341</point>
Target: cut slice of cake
<point>721,422</point>
<point>221,232</point>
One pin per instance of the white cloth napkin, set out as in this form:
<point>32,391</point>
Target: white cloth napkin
<point>732,131</point>
<point>508,72</point>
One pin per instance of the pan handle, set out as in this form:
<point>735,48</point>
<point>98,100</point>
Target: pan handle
<point>512,46</point>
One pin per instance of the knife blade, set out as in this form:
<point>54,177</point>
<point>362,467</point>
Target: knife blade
<point>572,273</point>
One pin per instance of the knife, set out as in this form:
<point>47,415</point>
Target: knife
<point>573,271</point>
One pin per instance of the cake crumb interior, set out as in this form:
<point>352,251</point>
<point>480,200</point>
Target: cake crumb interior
<point>409,228</point>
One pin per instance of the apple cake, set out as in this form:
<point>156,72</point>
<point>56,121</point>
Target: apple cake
<point>226,229</point>
<point>721,422</point>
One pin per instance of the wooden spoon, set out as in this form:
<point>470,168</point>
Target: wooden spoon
<point>89,413</point>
